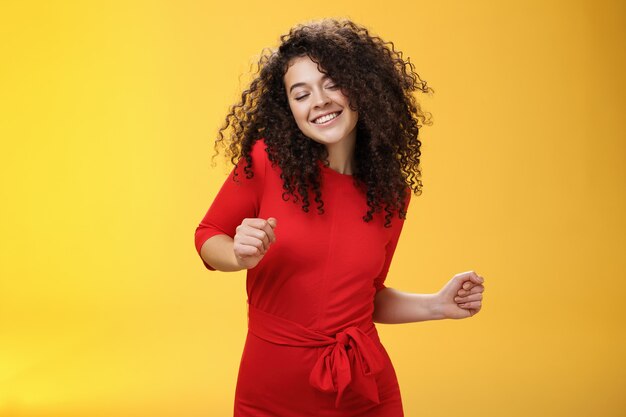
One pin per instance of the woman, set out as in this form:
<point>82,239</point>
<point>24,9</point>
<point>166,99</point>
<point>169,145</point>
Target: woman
<point>325,142</point>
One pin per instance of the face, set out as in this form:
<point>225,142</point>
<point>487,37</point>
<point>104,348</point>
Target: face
<point>319,108</point>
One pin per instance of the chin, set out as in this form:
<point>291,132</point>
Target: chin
<point>325,141</point>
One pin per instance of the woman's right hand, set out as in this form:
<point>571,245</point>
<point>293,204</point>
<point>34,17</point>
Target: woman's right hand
<point>252,240</point>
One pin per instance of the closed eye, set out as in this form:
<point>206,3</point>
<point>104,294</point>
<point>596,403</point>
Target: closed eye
<point>301,97</point>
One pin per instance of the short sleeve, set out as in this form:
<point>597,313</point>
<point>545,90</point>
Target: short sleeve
<point>239,198</point>
<point>396,229</point>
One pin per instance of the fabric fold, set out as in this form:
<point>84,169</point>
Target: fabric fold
<point>350,358</point>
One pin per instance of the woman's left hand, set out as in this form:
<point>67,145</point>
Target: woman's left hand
<point>462,296</point>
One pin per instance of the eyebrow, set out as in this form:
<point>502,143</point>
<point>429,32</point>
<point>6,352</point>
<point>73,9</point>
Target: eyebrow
<point>303,84</point>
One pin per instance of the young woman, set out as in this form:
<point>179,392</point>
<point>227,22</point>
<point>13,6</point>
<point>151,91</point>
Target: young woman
<point>325,142</point>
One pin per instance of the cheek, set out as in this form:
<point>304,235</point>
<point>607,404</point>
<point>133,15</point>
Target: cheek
<point>299,114</point>
<point>354,118</point>
<point>342,99</point>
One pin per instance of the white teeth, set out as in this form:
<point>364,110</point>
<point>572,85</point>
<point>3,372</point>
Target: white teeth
<point>326,118</point>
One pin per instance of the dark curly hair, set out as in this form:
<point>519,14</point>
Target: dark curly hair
<point>378,83</point>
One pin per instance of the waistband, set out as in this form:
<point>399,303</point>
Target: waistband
<point>351,356</point>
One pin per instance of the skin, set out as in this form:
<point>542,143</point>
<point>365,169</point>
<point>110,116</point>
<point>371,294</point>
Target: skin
<point>312,94</point>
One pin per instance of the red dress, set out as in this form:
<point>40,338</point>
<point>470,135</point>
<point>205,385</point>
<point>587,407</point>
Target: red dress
<point>312,348</point>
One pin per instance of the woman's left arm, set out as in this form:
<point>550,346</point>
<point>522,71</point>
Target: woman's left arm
<point>460,298</point>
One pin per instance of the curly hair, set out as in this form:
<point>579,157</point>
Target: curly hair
<point>378,83</point>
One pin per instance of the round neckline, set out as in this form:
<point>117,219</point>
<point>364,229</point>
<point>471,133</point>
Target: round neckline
<point>331,171</point>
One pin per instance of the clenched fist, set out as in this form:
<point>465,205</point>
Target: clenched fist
<point>252,240</point>
<point>462,296</point>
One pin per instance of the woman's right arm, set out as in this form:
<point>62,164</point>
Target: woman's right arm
<point>231,237</point>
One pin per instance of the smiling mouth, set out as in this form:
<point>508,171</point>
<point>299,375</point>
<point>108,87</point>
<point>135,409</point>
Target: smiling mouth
<point>327,118</point>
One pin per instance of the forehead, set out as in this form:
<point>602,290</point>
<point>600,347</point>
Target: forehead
<point>302,70</point>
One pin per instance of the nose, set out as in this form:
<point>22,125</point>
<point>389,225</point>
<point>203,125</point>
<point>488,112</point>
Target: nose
<point>321,99</point>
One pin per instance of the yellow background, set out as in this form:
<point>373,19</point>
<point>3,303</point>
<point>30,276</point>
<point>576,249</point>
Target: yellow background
<point>107,115</point>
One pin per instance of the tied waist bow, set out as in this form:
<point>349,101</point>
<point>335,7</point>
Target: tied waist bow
<point>350,358</point>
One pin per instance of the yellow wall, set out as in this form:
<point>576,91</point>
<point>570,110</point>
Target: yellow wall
<point>107,112</point>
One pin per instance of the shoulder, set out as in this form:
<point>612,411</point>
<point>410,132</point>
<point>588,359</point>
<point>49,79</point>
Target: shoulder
<point>397,221</point>
<point>252,163</point>
<point>259,148</point>
<point>261,156</point>
<point>258,153</point>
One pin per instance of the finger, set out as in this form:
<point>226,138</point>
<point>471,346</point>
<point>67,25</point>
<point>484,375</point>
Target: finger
<point>470,276</point>
<point>263,237</point>
<point>476,289</point>
<point>462,293</point>
<point>471,297</point>
<point>476,279</point>
<point>243,251</point>
<point>254,223</point>
<point>269,231</point>
<point>474,310</point>
<point>466,275</point>
<point>471,305</point>
<point>252,242</point>
<point>467,285</point>
<point>266,226</point>
<point>259,234</point>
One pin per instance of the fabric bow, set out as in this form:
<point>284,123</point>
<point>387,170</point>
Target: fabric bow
<point>353,360</point>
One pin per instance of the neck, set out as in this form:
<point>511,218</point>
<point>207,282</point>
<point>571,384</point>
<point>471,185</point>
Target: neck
<point>341,155</point>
